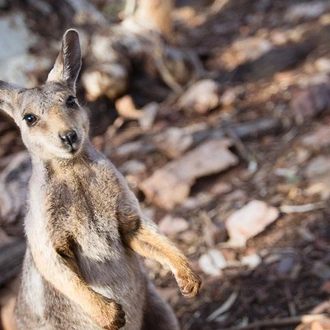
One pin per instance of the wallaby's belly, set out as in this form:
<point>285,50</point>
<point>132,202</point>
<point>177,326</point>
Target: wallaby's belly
<point>41,307</point>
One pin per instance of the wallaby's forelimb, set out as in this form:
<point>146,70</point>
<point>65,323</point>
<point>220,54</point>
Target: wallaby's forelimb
<point>149,244</point>
<point>142,236</point>
<point>66,279</point>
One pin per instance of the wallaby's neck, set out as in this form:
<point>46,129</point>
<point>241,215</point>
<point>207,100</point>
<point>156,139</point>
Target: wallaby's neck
<point>58,168</point>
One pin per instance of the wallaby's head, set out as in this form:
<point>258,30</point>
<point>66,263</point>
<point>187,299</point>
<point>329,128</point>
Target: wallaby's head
<point>52,123</point>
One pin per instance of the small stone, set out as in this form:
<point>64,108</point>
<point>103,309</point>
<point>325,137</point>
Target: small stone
<point>323,64</point>
<point>149,113</point>
<point>319,138</point>
<point>170,185</point>
<point>173,142</point>
<point>231,95</point>
<point>249,221</point>
<point>285,266</point>
<point>310,102</point>
<point>212,262</point>
<point>321,270</point>
<point>221,188</point>
<point>318,167</point>
<point>201,97</point>
<point>252,261</point>
<point>132,167</point>
<point>305,11</point>
<point>173,225</point>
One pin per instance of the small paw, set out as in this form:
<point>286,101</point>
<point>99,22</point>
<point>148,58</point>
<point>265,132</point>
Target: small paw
<point>113,317</point>
<point>189,283</point>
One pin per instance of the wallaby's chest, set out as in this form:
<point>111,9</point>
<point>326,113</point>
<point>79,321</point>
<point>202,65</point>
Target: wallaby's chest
<point>82,205</point>
<point>90,196</point>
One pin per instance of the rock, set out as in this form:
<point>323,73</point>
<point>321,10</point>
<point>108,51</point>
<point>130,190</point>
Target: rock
<point>231,95</point>
<point>310,102</point>
<point>321,270</point>
<point>201,97</point>
<point>198,201</point>
<point>249,221</point>
<point>318,166</point>
<point>305,11</point>
<point>173,142</point>
<point>245,50</point>
<point>109,79</point>
<point>173,225</point>
<point>250,49</point>
<point>16,64</point>
<point>126,108</point>
<point>323,64</point>
<point>212,262</point>
<point>252,260</point>
<point>285,266</point>
<point>319,138</point>
<point>221,188</point>
<point>318,173</point>
<point>132,167</point>
<point>170,185</point>
<point>149,113</point>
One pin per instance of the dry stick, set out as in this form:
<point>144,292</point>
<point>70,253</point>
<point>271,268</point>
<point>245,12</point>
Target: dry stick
<point>281,322</point>
<point>246,130</point>
<point>243,150</point>
<point>11,257</point>
<point>167,76</point>
<point>243,131</point>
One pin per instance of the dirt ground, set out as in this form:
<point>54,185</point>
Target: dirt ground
<point>269,61</point>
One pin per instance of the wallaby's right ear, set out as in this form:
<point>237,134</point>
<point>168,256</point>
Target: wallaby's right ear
<point>8,97</point>
<point>68,62</point>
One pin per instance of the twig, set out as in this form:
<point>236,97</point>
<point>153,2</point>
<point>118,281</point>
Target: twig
<point>301,208</point>
<point>224,307</point>
<point>243,131</point>
<point>281,322</point>
<point>167,76</point>
<point>243,151</point>
<point>246,130</point>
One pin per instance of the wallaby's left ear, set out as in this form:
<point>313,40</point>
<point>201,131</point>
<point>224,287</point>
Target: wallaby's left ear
<point>68,63</point>
<point>8,97</point>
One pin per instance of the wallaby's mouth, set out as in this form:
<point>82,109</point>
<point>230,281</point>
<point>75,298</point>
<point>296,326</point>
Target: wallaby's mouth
<point>74,148</point>
<point>71,141</point>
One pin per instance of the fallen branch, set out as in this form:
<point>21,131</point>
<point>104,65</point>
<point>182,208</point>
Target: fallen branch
<point>243,131</point>
<point>281,322</point>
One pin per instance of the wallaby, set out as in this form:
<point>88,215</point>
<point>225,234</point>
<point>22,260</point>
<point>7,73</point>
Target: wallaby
<point>84,226</point>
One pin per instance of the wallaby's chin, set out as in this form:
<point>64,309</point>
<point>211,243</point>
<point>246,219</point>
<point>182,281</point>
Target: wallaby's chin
<point>59,152</point>
<point>69,153</point>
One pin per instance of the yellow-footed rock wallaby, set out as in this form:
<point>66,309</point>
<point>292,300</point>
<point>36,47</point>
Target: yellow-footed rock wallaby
<point>84,227</point>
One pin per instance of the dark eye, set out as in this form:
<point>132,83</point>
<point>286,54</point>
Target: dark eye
<point>30,119</point>
<point>70,102</point>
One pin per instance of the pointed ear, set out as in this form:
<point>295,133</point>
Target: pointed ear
<point>68,62</point>
<point>8,97</point>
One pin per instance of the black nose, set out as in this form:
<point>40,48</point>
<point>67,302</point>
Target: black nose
<point>69,137</point>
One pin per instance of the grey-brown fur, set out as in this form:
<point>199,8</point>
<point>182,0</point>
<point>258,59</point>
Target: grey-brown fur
<point>84,226</point>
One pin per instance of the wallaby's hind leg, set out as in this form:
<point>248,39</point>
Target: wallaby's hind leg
<point>158,314</point>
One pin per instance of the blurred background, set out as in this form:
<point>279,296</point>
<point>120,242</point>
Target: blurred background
<point>217,113</point>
